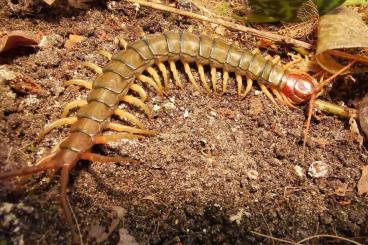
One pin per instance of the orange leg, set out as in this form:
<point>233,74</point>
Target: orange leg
<point>64,180</point>
<point>247,88</point>
<point>165,75</point>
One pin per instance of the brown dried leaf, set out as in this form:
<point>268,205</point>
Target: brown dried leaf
<point>73,39</point>
<point>363,181</point>
<point>23,85</point>
<point>342,28</point>
<point>98,233</point>
<point>17,39</point>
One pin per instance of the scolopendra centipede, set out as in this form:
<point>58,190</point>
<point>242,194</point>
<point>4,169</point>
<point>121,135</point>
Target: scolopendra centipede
<point>118,77</point>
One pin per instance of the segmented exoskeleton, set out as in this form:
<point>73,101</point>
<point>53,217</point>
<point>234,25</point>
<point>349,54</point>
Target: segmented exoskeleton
<point>118,77</point>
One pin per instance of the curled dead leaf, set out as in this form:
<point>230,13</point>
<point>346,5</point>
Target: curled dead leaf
<point>342,28</point>
<point>17,39</point>
<point>363,181</point>
<point>99,233</point>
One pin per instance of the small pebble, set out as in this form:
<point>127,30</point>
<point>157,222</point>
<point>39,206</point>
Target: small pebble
<point>318,169</point>
<point>299,171</point>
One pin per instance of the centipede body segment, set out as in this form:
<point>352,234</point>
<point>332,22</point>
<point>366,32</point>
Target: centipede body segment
<point>118,78</point>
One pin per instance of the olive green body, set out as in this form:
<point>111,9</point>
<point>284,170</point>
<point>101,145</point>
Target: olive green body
<point>126,65</point>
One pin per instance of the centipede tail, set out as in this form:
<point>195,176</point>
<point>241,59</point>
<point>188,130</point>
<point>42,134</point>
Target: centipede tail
<point>117,79</point>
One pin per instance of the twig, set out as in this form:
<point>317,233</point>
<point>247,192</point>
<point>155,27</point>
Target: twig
<point>305,239</point>
<point>272,238</point>
<point>330,236</point>
<point>228,24</point>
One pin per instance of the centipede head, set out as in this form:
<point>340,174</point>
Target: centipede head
<point>298,87</point>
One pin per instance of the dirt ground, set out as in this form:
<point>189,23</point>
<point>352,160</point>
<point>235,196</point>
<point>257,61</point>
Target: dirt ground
<point>219,170</point>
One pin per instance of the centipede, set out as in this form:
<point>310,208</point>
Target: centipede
<point>117,83</point>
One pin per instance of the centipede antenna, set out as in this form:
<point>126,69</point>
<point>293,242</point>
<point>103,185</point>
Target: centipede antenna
<point>331,78</point>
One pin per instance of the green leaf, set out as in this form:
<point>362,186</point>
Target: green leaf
<point>289,10</point>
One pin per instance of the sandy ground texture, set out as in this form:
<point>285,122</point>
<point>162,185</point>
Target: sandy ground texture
<point>219,170</point>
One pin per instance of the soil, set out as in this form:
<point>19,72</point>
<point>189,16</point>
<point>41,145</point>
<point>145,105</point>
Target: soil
<point>219,171</point>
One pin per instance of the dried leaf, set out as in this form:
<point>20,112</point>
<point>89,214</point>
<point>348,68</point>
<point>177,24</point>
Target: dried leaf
<point>363,182</point>
<point>73,39</point>
<point>342,28</point>
<point>363,115</point>
<point>98,233</point>
<point>17,39</point>
<point>125,238</point>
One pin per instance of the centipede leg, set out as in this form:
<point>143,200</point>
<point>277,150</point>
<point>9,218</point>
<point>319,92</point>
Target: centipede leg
<point>203,78</point>
<point>105,54</point>
<point>175,74</point>
<point>165,75</point>
<point>123,128</point>
<point>93,157</point>
<point>138,103</point>
<point>72,105</point>
<point>239,81</point>
<point>103,139</point>
<point>155,76</point>
<point>279,97</point>
<point>124,115</point>
<point>225,79</point>
<point>79,82</point>
<point>92,67</point>
<point>190,75</point>
<point>214,78</point>
<point>267,93</point>
<point>139,90</point>
<point>57,123</point>
<point>247,88</point>
<point>151,82</point>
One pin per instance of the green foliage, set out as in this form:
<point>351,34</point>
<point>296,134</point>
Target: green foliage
<point>288,10</point>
